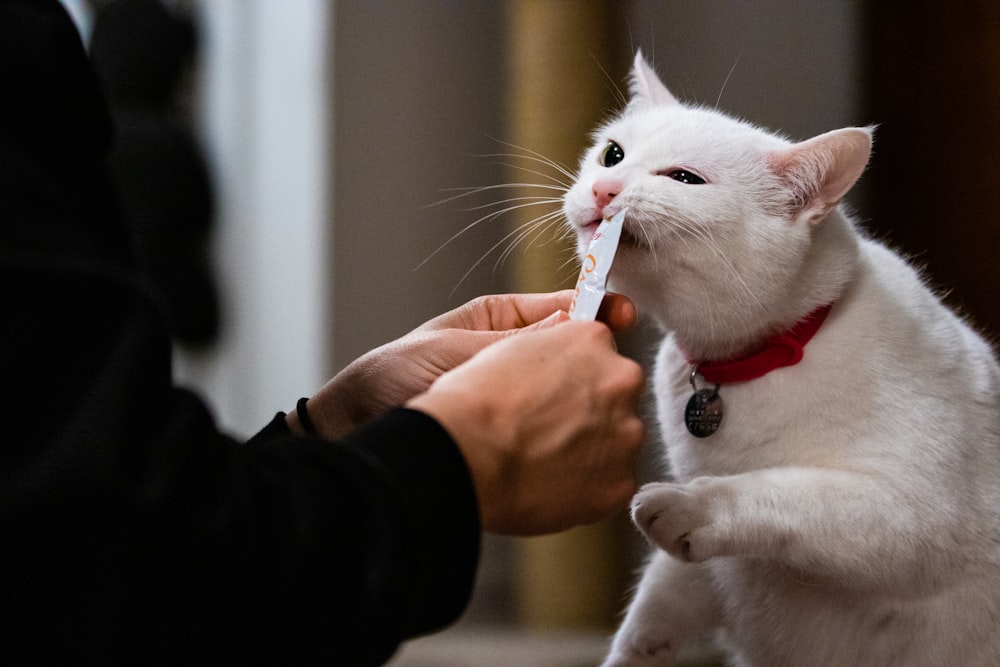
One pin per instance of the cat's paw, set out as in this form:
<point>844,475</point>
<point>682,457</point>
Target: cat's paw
<point>678,518</point>
<point>638,650</point>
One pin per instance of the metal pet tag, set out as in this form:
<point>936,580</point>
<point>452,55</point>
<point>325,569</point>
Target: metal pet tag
<point>703,413</point>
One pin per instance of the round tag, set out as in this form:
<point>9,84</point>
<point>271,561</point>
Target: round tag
<point>703,413</point>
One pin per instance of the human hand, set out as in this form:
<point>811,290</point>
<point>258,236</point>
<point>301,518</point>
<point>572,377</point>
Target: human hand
<point>548,424</point>
<point>390,375</point>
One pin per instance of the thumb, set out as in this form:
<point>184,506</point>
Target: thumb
<point>481,339</point>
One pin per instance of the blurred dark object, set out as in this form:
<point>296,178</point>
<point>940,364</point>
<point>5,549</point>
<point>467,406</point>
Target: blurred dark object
<point>142,53</point>
<point>934,90</point>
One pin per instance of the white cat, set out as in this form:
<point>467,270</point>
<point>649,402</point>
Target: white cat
<point>846,511</point>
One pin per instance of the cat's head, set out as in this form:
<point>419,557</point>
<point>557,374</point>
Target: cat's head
<point>724,217</point>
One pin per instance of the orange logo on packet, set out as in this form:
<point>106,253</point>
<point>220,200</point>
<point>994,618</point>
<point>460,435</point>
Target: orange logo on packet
<point>589,264</point>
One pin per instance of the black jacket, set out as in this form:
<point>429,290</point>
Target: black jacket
<point>132,531</point>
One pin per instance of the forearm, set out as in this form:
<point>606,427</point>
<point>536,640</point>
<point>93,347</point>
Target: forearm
<point>401,527</point>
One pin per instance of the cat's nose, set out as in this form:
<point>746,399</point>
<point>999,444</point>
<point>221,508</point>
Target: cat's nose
<point>605,190</point>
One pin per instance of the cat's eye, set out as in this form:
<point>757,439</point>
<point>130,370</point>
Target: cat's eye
<point>685,176</point>
<point>612,155</point>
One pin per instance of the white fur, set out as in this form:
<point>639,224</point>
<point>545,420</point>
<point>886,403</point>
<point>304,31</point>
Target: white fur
<point>847,511</point>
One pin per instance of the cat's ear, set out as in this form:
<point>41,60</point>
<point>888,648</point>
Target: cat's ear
<point>820,171</point>
<point>645,87</point>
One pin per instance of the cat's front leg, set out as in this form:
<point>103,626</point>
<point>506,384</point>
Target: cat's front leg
<point>854,530</point>
<point>674,603</point>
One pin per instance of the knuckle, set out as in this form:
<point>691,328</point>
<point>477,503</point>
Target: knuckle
<point>632,436</point>
<point>491,307</point>
<point>629,377</point>
<point>487,303</point>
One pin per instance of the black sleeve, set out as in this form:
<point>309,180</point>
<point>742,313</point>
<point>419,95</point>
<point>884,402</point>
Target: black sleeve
<point>131,530</point>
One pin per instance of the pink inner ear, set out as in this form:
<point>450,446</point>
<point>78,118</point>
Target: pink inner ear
<point>820,171</point>
<point>801,177</point>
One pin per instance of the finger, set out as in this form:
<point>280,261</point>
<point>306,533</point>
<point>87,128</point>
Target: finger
<point>500,312</point>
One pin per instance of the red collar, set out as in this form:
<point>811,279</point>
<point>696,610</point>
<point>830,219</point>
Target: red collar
<point>784,349</point>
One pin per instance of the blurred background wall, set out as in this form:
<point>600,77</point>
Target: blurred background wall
<point>341,134</point>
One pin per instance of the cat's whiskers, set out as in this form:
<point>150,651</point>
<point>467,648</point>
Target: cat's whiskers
<point>549,177</point>
<point>556,180</point>
<point>571,261</point>
<point>616,90</point>
<point>537,227</point>
<point>691,231</point>
<point>718,100</point>
<point>534,156</point>
<point>527,200</point>
<point>533,226</point>
<point>478,189</point>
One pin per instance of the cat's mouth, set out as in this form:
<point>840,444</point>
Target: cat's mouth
<point>627,238</point>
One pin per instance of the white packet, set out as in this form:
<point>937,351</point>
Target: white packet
<point>592,283</point>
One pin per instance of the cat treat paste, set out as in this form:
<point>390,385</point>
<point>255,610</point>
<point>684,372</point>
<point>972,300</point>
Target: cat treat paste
<point>591,286</point>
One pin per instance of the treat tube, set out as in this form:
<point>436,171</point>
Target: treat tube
<point>592,284</point>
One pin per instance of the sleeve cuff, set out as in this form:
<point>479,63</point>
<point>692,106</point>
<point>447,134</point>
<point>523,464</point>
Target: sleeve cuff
<point>276,428</point>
